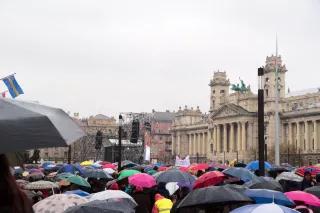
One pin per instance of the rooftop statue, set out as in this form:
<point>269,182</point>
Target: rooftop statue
<point>242,88</point>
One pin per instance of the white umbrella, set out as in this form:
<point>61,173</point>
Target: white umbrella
<point>25,125</point>
<point>110,194</point>
<point>41,184</point>
<point>289,176</point>
<point>172,187</point>
<point>264,208</point>
<point>109,171</point>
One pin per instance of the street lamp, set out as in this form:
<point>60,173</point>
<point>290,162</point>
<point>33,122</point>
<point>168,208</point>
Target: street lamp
<point>261,121</point>
<point>120,145</point>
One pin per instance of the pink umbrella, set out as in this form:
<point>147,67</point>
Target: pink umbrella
<point>314,170</point>
<point>162,168</point>
<point>200,166</point>
<point>142,180</point>
<point>304,197</point>
<point>183,169</point>
<point>110,165</point>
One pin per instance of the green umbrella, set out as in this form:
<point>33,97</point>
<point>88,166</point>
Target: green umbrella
<point>75,179</point>
<point>63,176</point>
<point>151,172</point>
<point>127,173</point>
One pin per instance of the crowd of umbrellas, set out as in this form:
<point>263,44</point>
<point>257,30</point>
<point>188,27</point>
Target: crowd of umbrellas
<point>99,187</point>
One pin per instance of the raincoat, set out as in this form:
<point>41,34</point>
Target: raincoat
<point>162,204</point>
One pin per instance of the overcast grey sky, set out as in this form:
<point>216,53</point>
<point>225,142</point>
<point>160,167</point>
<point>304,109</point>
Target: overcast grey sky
<point>137,55</point>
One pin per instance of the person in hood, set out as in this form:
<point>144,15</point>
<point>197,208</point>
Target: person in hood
<point>162,204</point>
<point>307,181</point>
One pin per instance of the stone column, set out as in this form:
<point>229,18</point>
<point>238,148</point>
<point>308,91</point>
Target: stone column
<point>250,135</point>
<point>173,144</point>
<point>283,132</point>
<point>290,133</point>
<point>244,142</point>
<point>298,136</point>
<point>239,147</point>
<point>190,144</point>
<point>198,144</point>
<point>225,138</point>
<point>315,135</point>
<point>306,135</point>
<point>218,139</point>
<point>178,144</point>
<point>204,150</point>
<point>232,142</point>
<point>194,144</point>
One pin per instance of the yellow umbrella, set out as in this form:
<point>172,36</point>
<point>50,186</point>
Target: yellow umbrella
<point>86,163</point>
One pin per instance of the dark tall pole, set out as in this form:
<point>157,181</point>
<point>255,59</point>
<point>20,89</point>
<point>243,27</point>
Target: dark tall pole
<point>69,154</point>
<point>261,122</point>
<point>266,152</point>
<point>120,143</point>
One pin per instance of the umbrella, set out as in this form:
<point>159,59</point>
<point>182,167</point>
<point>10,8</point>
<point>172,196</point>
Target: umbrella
<point>289,176</point>
<point>242,173</point>
<point>218,166</point>
<point>261,183</point>
<point>41,184</point>
<point>36,176</point>
<point>315,190</point>
<point>69,168</point>
<point>172,187</point>
<point>162,168</point>
<point>304,197</point>
<point>217,195</point>
<point>78,180</point>
<point>238,188</point>
<point>22,183</point>
<point>151,172</point>
<point>254,165</point>
<point>127,173</point>
<point>157,174</point>
<point>40,126</point>
<point>98,174</point>
<point>63,176</point>
<point>58,203</point>
<point>31,171</point>
<point>103,162</point>
<point>314,170</point>
<point>142,180</point>
<point>78,192</point>
<point>264,208</point>
<point>261,196</point>
<point>86,163</point>
<point>208,179</point>
<point>18,170</point>
<point>110,165</point>
<point>111,194</point>
<point>109,170</point>
<point>174,175</point>
<point>243,165</point>
<point>52,174</point>
<point>200,166</point>
<point>99,206</point>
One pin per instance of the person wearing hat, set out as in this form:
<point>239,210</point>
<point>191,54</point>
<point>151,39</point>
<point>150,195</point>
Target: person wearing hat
<point>162,204</point>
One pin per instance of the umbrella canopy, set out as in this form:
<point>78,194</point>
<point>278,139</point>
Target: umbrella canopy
<point>174,175</point>
<point>109,165</point>
<point>86,163</point>
<point>22,183</point>
<point>304,197</point>
<point>151,172</point>
<point>36,176</point>
<point>315,190</point>
<point>262,183</point>
<point>264,208</point>
<point>242,173</point>
<point>254,165</point>
<point>243,165</point>
<point>58,203</point>
<point>25,125</point>
<point>218,166</point>
<point>63,176</point>
<point>108,206</point>
<point>78,180</point>
<point>218,195</point>
<point>261,196</point>
<point>209,179</point>
<point>199,166</point>
<point>172,187</point>
<point>163,168</point>
<point>127,173</point>
<point>111,194</point>
<point>98,174</point>
<point>69,168</point>
<point>314,170</point>
<point>142,180</point>
<point>41,184</point>
<point>78,192</point>
<point>109,170</point>
<point>289,176</point>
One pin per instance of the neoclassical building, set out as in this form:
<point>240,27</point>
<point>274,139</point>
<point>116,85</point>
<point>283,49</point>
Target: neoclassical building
<point>230,129</point>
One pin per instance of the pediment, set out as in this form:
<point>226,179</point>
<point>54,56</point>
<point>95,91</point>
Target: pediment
<point>230,110</point>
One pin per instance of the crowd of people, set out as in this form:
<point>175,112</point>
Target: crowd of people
<point>154,188</point>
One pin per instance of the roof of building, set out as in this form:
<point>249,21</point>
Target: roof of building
<point>303,92</point>
<point>163,116</point>
<point>101,116</point>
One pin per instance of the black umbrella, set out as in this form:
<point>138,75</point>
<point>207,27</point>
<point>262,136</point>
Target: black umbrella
<point>217,195</point>
<point>266,184</point>
<point>243,165</point>
<point>97,174</point>
<point>104,206</point>
<point>175,175</point>
<point>25,125</point>
<point>315,190</point>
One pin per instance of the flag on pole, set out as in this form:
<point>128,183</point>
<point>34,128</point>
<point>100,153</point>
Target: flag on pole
<point>13,86</point>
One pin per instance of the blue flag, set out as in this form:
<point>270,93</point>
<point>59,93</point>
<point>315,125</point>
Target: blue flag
<point>13,86</point>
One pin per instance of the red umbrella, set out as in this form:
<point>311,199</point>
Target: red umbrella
<point>162,168</point>
<point>218,166</point>
<point>209,179</point>
<point>197,167</point>
<point>110,165</point>
<point>304,197</point>
<point>314,170</point>
<point>142,180</point>
<point>104,163</point>
<point>183,169</point>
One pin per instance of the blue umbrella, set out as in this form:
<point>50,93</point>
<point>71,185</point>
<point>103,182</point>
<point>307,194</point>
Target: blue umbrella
<point>242,173</point>
<point>68,168</point>
<point>261,196</point>
<point>264,208</point>
<point>78,192</point>
<point>254,165</point>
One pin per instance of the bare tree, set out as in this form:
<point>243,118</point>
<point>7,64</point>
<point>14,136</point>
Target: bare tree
<point>84,148</point>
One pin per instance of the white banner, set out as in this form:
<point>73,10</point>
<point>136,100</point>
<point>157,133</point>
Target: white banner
<point>182,162</point>
<point>147,153</point>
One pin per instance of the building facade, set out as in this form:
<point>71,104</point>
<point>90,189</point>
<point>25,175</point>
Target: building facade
<point>230,129</point>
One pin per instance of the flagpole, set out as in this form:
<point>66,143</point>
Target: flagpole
<point>277,121</point>
<point>7,76</point>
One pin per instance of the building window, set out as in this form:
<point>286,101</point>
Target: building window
<point>267,93</point>
<point>267,79</point>
<point>222,91</point>
<point>213,91</point>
